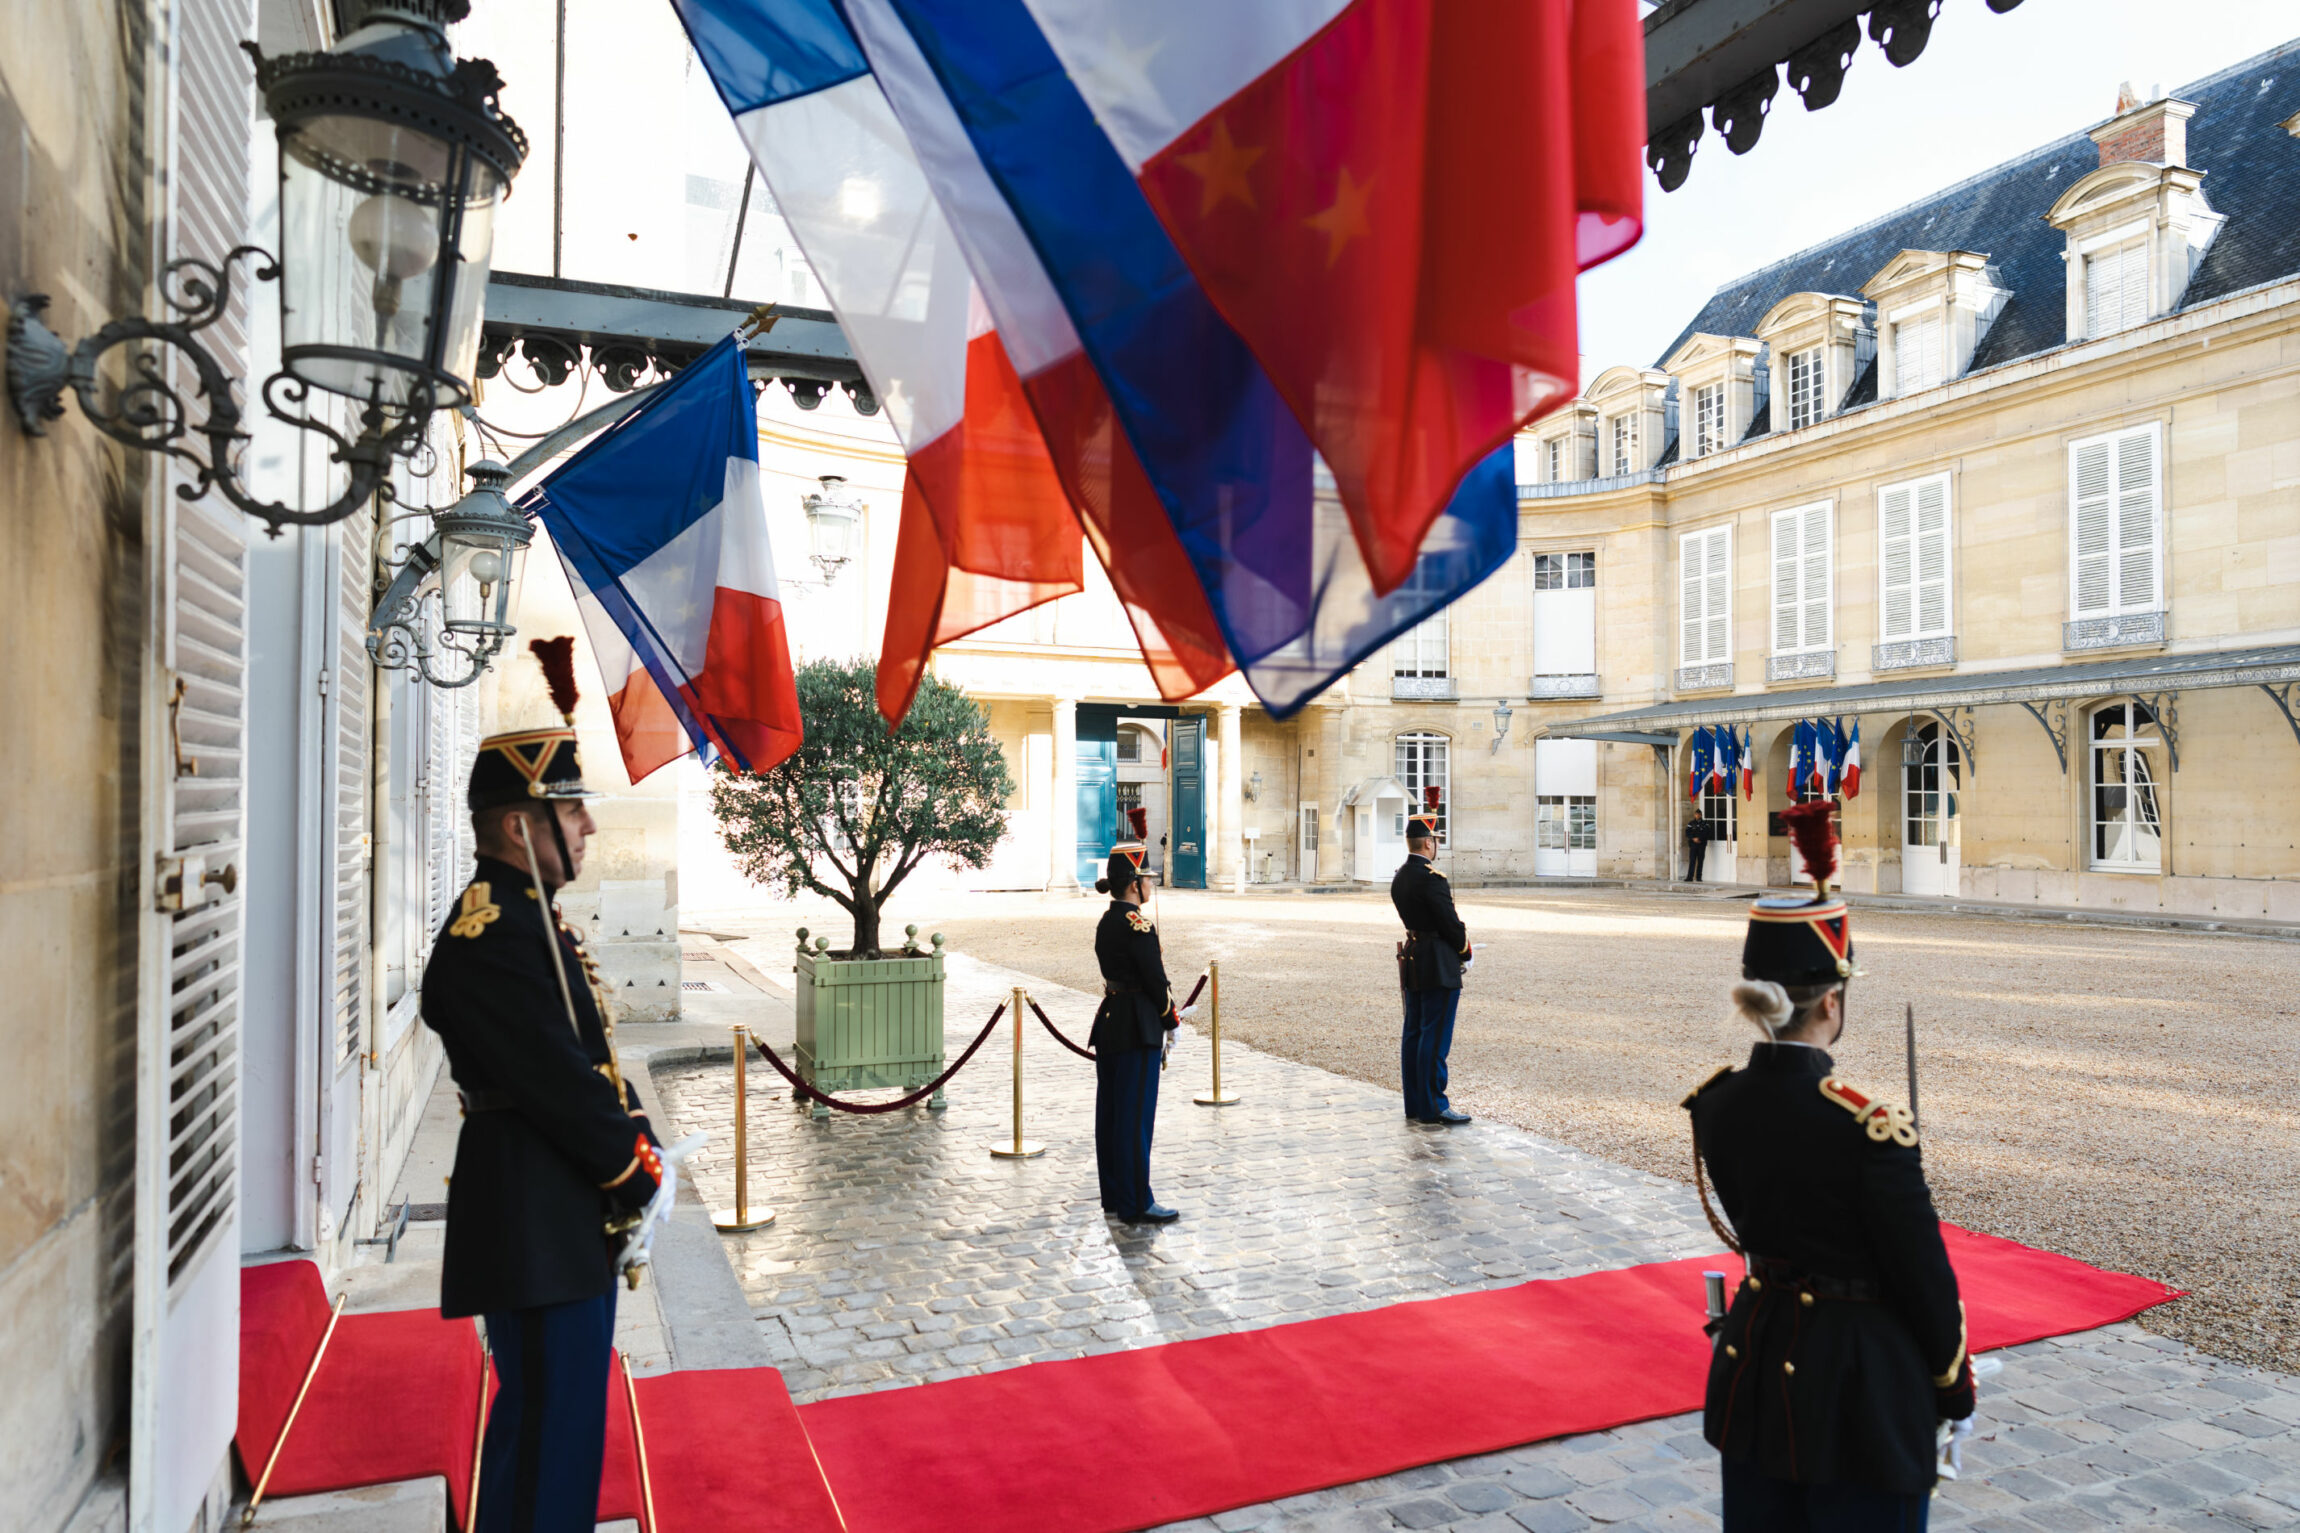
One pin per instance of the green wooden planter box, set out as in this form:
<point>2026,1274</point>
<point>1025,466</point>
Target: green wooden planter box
<point>869,1022</point>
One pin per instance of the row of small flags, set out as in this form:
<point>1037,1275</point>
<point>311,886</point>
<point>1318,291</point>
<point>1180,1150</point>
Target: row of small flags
<point>1824,761</point>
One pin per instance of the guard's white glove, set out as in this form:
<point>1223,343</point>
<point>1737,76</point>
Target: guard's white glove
<point>1950,1440</point>
<point>639,1247</point>
<point>1187,1012</point>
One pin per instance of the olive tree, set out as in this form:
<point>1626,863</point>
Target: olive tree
<point>860,806</point>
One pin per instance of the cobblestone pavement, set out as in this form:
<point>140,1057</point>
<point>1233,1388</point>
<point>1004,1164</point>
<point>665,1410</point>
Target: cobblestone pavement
<point>903,1252</point>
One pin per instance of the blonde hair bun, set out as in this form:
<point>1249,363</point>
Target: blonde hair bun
<point>1763,1004</point>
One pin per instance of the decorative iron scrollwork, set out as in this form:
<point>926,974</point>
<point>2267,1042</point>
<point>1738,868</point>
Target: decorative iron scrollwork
<point>1817,70</point>
<point>2282,695</point>
<point>1739,114</point>
<point>1902,28</point>
<point>2164,707</point>
<point>2055,727</point>
<point>1959,722</point>
<point>149,413</point>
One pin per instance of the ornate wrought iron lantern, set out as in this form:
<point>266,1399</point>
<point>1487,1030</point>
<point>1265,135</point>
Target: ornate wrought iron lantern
<point>393,157</point>
<point>834,526</point>
<point>477,550</point>
<point>1502,714</point>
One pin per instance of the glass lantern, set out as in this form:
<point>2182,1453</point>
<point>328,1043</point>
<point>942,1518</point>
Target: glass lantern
<point>393,158</point>
<point>834,522</point>
<point>482,551</point>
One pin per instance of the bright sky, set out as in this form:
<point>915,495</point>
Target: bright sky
<point>655,169</point>
<point>1987,89</point>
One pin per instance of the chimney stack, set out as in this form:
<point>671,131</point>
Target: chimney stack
<point>2155,132</point>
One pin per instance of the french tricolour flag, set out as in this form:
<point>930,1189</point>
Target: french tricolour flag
<point>1276,281</point>
<point>663,533</point>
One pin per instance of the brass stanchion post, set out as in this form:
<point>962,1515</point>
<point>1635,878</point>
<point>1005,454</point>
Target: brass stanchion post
<point>1019,1148</point>
<point>740,1219</point>
<point>1216,1097</point>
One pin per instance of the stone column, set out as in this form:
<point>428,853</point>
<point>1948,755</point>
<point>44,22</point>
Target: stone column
<point>1229,868</point>
<point>1062,814</point>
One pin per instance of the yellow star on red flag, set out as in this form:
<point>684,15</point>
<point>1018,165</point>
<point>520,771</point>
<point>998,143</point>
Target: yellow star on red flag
<point>1344,219</point>
<point>1222,169</point>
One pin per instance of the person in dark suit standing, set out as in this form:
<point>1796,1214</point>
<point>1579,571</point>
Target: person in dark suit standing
<point>1696,847</point>
<point>555,1157</point>
<point>1133,1029</point>
<point>1431,962</point>
<point>1842,1360</point>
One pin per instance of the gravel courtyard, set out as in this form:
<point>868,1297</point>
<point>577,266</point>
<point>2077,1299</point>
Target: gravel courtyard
<point>2123,1096</point>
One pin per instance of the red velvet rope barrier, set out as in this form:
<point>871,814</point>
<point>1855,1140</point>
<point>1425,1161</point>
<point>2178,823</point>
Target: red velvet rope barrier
<point>1048,1022</point>
<point>916,1097</point>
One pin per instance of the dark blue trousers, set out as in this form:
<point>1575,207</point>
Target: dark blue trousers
<point>1125,1115</point>
<point>1756,1503</point>
<point>539,1471</point>
<point>1422,1050</point>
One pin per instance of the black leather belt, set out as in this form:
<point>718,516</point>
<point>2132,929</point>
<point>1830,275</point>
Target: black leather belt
<point>1110,989</point>
<point>487,1101</point>
<point>1819,1284</point>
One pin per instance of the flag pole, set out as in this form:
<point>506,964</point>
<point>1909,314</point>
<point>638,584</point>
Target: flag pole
<point>1909,1020</point>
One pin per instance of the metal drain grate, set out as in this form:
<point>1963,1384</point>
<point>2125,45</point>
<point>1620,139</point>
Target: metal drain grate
<point>710,986</point>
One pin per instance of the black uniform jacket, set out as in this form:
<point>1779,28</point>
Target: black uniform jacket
<point>1436,941</point>
<point>547,1154</point>
<point>1826,1190</point>
<point>1137,1004</point>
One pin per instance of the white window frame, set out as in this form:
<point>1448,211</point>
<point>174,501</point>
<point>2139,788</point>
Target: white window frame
<point>1621,434</point>
<point>1411,651</point>
<point>1821,514</point>
<point>1693,553</point>
<point>1804,375</point>
<point>1412,753</point>
<point>2132,287</point>
<point>1916,629</point>
<point>2135,743</point>
<point>1553,455</point>
<point>2117,551</point>
<point>1932,325</point>
<point>1708,419</point>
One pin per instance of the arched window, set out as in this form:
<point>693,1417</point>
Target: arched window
<point>2127,819</point>
<point>1422,763</point>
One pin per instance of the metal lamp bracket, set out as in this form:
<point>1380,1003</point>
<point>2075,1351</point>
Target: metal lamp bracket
<point>2165,707</point>
<point>2282,696</point>
<point>1959,722</point>
<point>150,414</point>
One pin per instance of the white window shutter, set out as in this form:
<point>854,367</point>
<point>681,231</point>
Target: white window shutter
<point>1692,589</point>
<point>1786,582</point>
<point>1815,526</point>
<point>354,729</point>
<point>2091,556</point>
<point>1897,560</point>
<point>1717,606</point>
<point>1932,555</point>
<point>2136,521</point>
<point>1917,355</point>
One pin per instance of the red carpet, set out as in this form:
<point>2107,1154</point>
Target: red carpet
<point>397,1398</point>
<point>1232,1420</point>
<point>1222,1422</point>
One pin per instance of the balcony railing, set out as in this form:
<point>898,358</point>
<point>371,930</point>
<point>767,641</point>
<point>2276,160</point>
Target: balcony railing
<point>1421,688</point>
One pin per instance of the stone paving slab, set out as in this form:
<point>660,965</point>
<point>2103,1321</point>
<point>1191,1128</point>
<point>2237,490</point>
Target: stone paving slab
<point>903,1252</point>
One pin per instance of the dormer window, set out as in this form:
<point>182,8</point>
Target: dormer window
<point>1804,370</point>
<point>1819,344</point>
<point>1723,383</point>
<point>2137,227</point>
<point>1630,416</point>
<point>1553,454</point>
<point>1933,308</point>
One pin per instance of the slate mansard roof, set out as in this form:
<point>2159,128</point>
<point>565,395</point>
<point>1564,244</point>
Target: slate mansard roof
<point>2252,176</point>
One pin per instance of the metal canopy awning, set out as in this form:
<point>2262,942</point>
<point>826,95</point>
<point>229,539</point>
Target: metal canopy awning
<point>630,331</point>
<point>2274,669</point>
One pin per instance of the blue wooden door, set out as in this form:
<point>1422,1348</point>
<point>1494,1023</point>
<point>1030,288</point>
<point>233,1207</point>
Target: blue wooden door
<point>1186,816</point>
<point>1097,769</point>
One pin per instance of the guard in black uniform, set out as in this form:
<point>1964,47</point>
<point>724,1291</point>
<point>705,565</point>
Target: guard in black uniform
<point>1844,1349</point>
<point>555,1156</point>
<point>1431,962</point>
<point>1133,1028</point>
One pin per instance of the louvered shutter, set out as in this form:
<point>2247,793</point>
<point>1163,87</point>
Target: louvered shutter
<point>1718,602</point>
<point>1932,561</point>
<point>1801,579</point>
<point>1917,355</point>
<point>354,730</point>
<point>1705,596</point>
<point>1787,578</point>
<point>1896,540</point>
<point>183,1398</point>
<point>1692,646</point>
<point>2092,557</point>
<point>2116,289</point>
<point>2136,521</point>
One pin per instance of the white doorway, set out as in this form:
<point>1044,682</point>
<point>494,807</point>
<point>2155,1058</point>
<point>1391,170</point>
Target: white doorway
<point>1308,850</point>
<point>1565,808</point>
<point>1930,841</point>
<point>1380,844</point>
